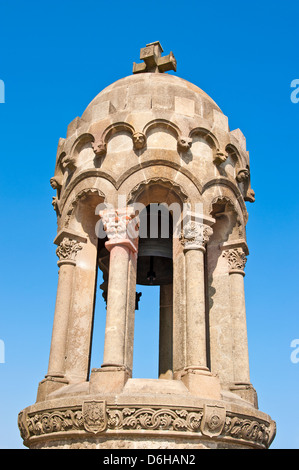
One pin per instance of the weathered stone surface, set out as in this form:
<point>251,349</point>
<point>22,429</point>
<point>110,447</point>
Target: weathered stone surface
<point>151,138</point>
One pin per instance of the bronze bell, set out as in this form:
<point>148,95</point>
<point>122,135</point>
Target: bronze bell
<point>154,265</point>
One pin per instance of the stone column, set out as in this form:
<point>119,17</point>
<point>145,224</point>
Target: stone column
<point>196,375</point>
<point>196,236</point>
<point>165,332</point>
<point>122,247</point>
<point>66,251</point>
<point>236,259</point>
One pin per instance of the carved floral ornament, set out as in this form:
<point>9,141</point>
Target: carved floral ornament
<point>195,235</point>
<point>67,249</point>
<point>96,417</point>
<point>120,223</point>
<point>236,258</point>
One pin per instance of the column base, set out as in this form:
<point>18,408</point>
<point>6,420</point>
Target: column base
<point>49,385</point>
<point>200,382</point>
<point>245,391</point>
<point>108,379</point>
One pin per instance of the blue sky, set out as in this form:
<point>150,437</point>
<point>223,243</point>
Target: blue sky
<point>55,57</point>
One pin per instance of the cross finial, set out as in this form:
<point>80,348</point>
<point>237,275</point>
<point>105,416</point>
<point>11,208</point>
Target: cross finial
<point>153,62</point>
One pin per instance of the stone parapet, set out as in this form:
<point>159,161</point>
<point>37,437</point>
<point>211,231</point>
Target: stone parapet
<point>98,421</point>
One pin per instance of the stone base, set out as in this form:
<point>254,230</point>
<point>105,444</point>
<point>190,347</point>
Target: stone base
<point>49,385</point>
<point>246,392</point>
<point>146,414</point>
<point>108,379</point>
<point>201,383</point>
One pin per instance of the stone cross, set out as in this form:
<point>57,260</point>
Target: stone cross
<point>153,62</point>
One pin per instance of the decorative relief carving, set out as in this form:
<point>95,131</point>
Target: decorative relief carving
<point>242,175</point>
<point>94,416</point>
<point>149,418</point>
<point>55,204</point>
<point>52,421</point>
<point>195,235</point>
<point>137,190</point>
<point>213,420</point>
<point>99,148</point>
<point>56,182</point>
<point>220,157</point>
<point>97,417</point>
<point>84,193</point>
<point>184,144</point>
<point>236,258</point>
<point>68,162</point>
<point>139,140</point>
<point>250,195</point>
<point>247,429</point>
<point>67,250</point>
<point>119,224</point>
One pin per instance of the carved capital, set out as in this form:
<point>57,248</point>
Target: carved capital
<point>236,258</point>
<point>67,249</point>
<point>195,235</point>
<point>120,224</point>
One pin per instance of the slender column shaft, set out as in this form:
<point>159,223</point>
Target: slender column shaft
<point>236,260</point>
<point>81,315</point>
<point>238,312</point>
<point>165,332</point>
<point>195,308</point>
<point>114,348</point>
<point>120,229</point>
<point>62,308</point>
<point>130,318</point>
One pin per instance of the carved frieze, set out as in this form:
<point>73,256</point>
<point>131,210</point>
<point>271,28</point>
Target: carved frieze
<point>96,417</point>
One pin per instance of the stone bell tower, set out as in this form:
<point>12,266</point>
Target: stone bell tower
<point>150,187</point>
